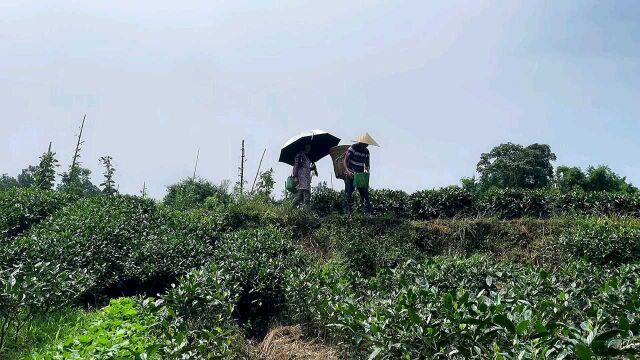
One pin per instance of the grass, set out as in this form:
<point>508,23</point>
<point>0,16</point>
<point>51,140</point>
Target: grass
<point>44,331</point>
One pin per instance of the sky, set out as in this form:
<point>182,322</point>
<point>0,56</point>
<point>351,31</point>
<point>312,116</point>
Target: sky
<point>436,83</point>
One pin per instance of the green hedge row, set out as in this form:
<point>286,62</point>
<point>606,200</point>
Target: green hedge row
<point>472,308</point>
<point>20,208</point>
<point>454,201</point>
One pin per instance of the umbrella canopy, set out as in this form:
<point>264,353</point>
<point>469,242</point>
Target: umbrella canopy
<point>320,140</point>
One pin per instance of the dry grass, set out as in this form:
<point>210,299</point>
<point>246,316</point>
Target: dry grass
<point>288,343</point>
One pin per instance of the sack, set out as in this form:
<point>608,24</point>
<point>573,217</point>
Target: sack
<point>337,157</point>
<point>291,184</point>
<point>361,180</point>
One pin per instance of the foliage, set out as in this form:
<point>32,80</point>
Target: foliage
<point>121,330</point>
<point>193,193</point>
<point>122,241</point>
<point>466,308</point>
<point>195,316</point>
<point>369,244</point>
<point>600,178</point>
<point>20,208</point>
<point>109,184</point>
<point>515,166</point>
<point>77,182</point>
<point>26,178</point>
<point>446,202</point>
<point>257,261</point>
<point>603,240</point>
<point>7,182</point>
<point>265,184</point>
<point>27,290</point>
<point>45,174</point>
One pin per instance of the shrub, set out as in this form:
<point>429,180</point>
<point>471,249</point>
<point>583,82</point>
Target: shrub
<point>123,241</point>
<point>29,290</point>
<point>367,244</point>
<point>121,330</point>
<point>325,201</point>
<point>515,203</point>
<point>258,260</point>
<point>195,317</point>
<point>603,240</point>
<point>21,208</point>
<point>441,203</point>
<point>193,193</point>
<point>465,308</point>
<point>390,202</point>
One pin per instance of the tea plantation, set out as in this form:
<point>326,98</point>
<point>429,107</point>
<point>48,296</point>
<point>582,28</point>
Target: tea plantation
<point>438,274</point>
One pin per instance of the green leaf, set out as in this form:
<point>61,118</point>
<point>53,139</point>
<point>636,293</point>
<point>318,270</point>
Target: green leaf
<point>583,352</point>
<point>448,301</point>
<point>504,321</point>
<point>375,353</point>
<point>522,327</point>
<point>607,335</point>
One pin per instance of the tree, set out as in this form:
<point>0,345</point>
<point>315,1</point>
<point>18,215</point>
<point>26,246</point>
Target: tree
<point>109,185</point>
<point>193,193</point>
<point>78,182</point>
<point>602,178</point>
<point>570,178</point>
<point>7,182</point>
<point>26,178</point>
<point>45,174</point>
<point>515,166</point>
<point>265,184</point>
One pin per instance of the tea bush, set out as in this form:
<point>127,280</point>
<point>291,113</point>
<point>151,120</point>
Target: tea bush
<point>453,201</point>
<point>368,244</point>
<point>603,240</point>
<point>473,308</point>
<point>123,242</point>
<point>195,317</point>
<point>20,208</point>
<point>257,261</point>
<point>30,290</point>
<point>441,203</point>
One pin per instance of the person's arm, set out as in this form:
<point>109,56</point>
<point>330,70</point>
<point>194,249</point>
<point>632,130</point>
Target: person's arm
<point>345,163</point>
<point>367,165</point>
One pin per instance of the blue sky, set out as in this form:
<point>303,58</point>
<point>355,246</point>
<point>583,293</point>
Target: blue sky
<point>436,83</point>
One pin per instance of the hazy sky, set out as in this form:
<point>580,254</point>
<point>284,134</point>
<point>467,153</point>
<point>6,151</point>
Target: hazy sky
<point>436,83</point>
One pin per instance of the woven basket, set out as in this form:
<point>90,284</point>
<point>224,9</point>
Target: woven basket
<point>337,157</point>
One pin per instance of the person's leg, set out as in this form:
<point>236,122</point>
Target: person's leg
<point>297,200</point>
<point>348,191</point>
<point>364,199</point>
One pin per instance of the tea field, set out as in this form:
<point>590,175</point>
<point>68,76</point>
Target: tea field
<point>438,274</point>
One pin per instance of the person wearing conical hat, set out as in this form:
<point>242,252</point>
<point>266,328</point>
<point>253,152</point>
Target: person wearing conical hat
<point>355,160</point>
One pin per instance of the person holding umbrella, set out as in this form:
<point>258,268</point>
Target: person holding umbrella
<point>302,168</point>
<point>355,160</point>
<point>302,152</point>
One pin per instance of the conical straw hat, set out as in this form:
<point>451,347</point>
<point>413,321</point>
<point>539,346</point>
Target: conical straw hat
<point>366,139</point>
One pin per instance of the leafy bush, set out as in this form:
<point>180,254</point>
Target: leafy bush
<point>122,241</point>
<point>29,290</point>
<point>193,193</point>
<point>390,202</point>
<point>441,203</point>
<point>603,240</point>
<point>20,208</point>
<point>195,317</point>
<point>512,204</point>
<point>367,244</point>
<point>472,308</point>
<point>121,330</point>
<point>325,201</point>
<point>258,260</point>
